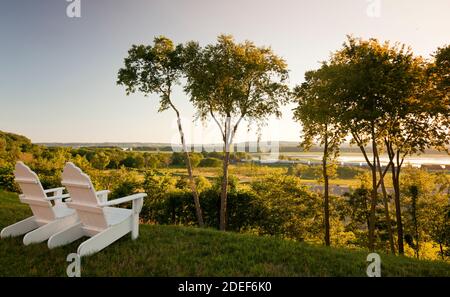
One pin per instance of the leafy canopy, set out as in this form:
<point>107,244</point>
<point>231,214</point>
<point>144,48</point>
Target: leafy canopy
<point>230,79</point>
<point>153,69</point>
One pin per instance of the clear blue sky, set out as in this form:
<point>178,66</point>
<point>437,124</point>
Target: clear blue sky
<point>57,74</point>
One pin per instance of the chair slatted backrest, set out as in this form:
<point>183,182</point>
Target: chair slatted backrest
<point>84,198</point>
<point>32,193</point>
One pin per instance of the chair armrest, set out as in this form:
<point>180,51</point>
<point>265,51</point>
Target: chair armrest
<point>57,197</point>
<point>102,195</point>
<point>102,192</point>
<point>54,190</point>
<point>123,199</point>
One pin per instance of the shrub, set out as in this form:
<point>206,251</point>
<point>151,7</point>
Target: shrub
<point>305,171</point>
<point>133,160</point>
<point>349,172</point>
<point>179,159</point>
<point>275,205</point>
<point>7,178</point>
<point>290,209</point>
<point>210,162</point>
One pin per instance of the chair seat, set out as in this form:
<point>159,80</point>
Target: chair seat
<point>116,215</point>
<point>61,210</point>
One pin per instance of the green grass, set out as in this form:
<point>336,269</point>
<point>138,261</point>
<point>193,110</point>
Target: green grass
<point>184,251</point>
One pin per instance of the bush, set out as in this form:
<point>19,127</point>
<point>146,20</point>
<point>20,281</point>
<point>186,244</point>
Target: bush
<point>291,210</point>
<point>305,171</point>
<point>275,205</point>
<point>177,207</point>
<point>179,159</point>
<point>210,162</point>
<point>120,182</point>
<point>348,172</point>
<point>244,209</point>
<point>50,181</point>
<point>133,161</point>
<point>213,154</point>
<point>7,178</point>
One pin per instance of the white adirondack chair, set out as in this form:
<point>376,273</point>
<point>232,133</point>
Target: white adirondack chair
<point>47,219</point>
<point>104,224</point>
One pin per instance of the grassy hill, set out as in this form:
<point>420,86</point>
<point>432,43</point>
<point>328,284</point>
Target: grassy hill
<point>184,251</point>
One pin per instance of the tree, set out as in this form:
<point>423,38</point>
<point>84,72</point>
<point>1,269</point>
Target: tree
<point>425,207</point>
<point>414,193</point>
<point>375,78</point>
<point>439,73</point>
<point>417,119</point>
<point>231,82</point>
<point>289,209</point>
<point>441,231</point>
<point>100,160</point>
<point>157,69</point>
<point>318,111</point>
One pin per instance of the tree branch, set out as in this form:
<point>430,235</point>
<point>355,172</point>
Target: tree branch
<point>218,124</point>
<point>361,147</point>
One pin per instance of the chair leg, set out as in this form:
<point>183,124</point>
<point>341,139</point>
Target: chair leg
<point>134,226</point>
<point>44,232</point>
<point>65,236</point>
<point>104,238</point>
<point>20,228</point>
<point>137,207</point>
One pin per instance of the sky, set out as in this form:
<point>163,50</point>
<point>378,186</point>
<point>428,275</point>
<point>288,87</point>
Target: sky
<point>58,74</point>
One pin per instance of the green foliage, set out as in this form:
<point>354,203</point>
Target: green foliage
<point>210,162</point>
<point>100,161</point>
<point>439,77</point>
<point>156,185</point>
<point>179,159</point>
<point>133,160</point>
<point>188,251</point>
<point>202,183</point>
<point>126,183</point>
<point>348,172</point>
<point>230,82</point>
<point>213,154</point>
<point>156,69</point>
<point>7,182</point>
<point>49,163</point>
<point>357,210</point>
<point>12,145</point>
<point>156,160</point>
<point>305,171</point>
<point>272,204</point>
<point>235,79</point>
<point>291,210</point>
<point>426,216</point>
<point>152,69</point>
<point>319,110</point>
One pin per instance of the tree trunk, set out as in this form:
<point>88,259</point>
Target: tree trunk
<point>224,191</point>
<point>398,211</point>
<point>386,206</point>
<point>373,202</point>
<point>198,209</point>
<point>326,197</point>
<point>415,197</point>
